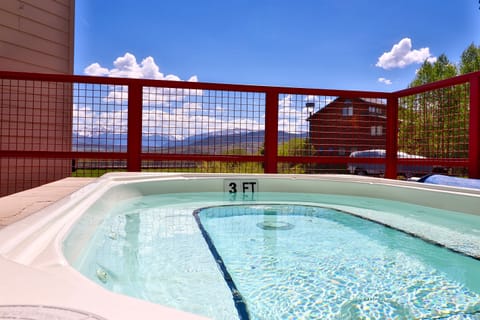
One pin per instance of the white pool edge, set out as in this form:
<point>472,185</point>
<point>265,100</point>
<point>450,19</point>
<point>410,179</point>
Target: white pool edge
<point>34,270</point>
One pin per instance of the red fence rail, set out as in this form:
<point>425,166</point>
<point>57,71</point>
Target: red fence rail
<point>54,126</point>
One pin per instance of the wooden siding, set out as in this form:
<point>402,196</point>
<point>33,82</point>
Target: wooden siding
<point>37,36</point>
<point>336,133</point>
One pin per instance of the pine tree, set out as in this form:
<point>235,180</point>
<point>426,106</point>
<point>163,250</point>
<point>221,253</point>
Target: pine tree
<point>470,60</point>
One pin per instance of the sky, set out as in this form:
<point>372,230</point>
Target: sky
<point>374,45</point>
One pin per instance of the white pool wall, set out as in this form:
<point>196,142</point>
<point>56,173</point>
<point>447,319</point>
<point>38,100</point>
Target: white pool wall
<point>35,271</point>
<point>441,197</point>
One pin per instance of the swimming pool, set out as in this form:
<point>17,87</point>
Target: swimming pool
<point>46,247</point>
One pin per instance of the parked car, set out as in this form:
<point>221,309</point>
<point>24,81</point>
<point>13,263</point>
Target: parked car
<point>378,169</point>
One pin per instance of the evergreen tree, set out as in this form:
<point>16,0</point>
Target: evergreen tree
<point>470,60</point>
<point>430,72</point>
<point>434,123</point>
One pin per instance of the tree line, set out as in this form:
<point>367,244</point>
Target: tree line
<point>434,124</point>
<point>442,68</point>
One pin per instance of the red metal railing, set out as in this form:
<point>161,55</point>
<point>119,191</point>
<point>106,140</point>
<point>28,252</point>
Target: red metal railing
<point>54,126</point>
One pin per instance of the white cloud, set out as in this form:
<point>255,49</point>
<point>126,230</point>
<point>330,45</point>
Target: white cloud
<point>96,70</point>
<point>293,111</point>
<point>128,67</point>
<point>385,81</point>
<point>286,101</point>
<point>185,122</point>
<point>402,55</point>
<point>90,123</point>
<point>293,120</point>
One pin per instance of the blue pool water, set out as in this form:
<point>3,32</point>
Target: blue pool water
<point>289,255</point>
<point>304,262</point>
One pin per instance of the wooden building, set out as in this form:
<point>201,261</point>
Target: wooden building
<point>346,125</point>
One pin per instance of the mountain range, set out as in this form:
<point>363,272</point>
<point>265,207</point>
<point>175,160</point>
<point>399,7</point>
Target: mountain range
<point>213,142</point>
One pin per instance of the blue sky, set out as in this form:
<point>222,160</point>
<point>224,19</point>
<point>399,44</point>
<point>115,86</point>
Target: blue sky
<point>302,43</point>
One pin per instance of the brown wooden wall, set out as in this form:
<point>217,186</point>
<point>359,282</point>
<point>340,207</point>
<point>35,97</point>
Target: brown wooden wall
<point>336,132</point>
<point>35,36</point>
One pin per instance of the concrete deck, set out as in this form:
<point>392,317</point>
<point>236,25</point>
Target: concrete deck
<point>22,204</point>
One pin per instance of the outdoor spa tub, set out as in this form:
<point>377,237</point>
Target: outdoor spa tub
<point>224,246</point>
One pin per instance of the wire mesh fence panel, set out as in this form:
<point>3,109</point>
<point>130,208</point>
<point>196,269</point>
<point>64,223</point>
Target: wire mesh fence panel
<point>100,115</point>
<point>84,167</point>
<point>202,166</point>
<point>19,173</point>
<point>329,126</point>
<point>294,123</point>
<point>202,122</point>
<point>99,125</point>
<point>303,168</point>
<point>186,121</point>
<point>435,125</point>
<point>170,166</point>
<point>230,167</point>
<point>35,116</point>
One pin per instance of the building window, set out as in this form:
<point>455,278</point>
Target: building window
<point>379,131</point>
<point>376,131</point>
<point>375,110</point>
<point>347,111</point>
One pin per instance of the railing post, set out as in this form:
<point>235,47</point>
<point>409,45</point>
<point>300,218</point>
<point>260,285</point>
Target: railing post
<point>134,140</point>
<point>271,132</point>
<point>474,128</point>
<point>392,137</point>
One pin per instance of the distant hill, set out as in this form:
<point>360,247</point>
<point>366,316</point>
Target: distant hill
<point>212,143</point>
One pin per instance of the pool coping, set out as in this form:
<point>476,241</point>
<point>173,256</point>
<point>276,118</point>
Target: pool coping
<point>22,204</point>
<point>25,203</point>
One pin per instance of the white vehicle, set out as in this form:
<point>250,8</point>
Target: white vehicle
<point>378,169</point>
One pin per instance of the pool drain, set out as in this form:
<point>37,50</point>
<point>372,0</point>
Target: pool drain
<point>275,225</point>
